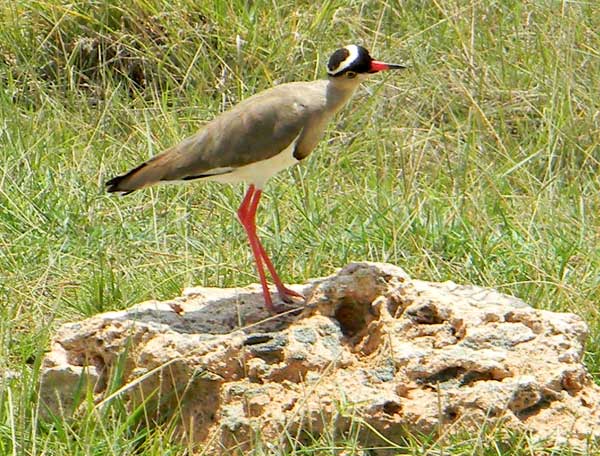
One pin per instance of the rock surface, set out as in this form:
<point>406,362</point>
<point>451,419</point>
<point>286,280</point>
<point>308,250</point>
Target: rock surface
<point>371,344</point>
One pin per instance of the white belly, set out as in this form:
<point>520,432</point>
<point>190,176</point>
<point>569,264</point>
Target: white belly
<point>259,173</point>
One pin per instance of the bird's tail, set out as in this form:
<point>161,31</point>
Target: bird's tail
<point>148,173</point>
<point>120,183</point>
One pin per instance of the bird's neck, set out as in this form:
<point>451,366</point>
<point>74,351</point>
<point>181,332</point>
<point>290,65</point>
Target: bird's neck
<point>339,92</point>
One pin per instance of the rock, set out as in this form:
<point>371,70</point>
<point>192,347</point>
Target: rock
<point>371,343</point>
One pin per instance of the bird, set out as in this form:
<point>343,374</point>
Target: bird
<point>260,136</point>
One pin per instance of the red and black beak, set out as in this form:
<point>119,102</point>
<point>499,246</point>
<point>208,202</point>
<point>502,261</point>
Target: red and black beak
<point>377,66</point>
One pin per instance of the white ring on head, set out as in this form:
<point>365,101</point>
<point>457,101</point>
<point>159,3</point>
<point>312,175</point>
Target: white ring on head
<point>352,56</point>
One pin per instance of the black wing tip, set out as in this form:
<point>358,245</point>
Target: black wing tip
<point>112,185</point>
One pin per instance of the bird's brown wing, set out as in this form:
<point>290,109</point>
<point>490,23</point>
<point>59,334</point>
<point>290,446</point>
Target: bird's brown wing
<point>256,129</point>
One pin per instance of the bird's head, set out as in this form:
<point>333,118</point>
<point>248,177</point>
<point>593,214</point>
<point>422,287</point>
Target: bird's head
<point>355,62</point>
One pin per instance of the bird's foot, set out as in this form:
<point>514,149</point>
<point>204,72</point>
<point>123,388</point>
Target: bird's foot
<point>287,295</point>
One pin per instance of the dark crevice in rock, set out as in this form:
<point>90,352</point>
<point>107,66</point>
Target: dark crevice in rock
<point>392,407</point>
<point>451,413</point>
<point>461,376</point>
<point>255,339</point>
<point>268,347</point>
<point>449,373</point>
<point>543,403</point>
<point>353,316</point>
<point>471,377</point>
<point>426,313</point>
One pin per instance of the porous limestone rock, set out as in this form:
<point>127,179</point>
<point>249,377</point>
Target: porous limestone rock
<point>371,344</point>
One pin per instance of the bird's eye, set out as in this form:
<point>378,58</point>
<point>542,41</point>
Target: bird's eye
<point>351,74</point>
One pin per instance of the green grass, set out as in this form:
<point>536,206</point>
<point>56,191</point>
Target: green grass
<point>480,164</point>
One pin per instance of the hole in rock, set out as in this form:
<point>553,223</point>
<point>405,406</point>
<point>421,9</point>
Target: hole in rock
<point>353,316</point>
<point>391,407</point>
<point>268,347</point>
<point>474,376</point>
<point>536,408</point>
<point>451,413</point>
<point>426,313</point>
<point>449,373</point>
<point>255,339</point>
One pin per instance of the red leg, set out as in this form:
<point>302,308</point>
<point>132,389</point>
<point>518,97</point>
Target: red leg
<point>246,214</point>
<point>284,292</point>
